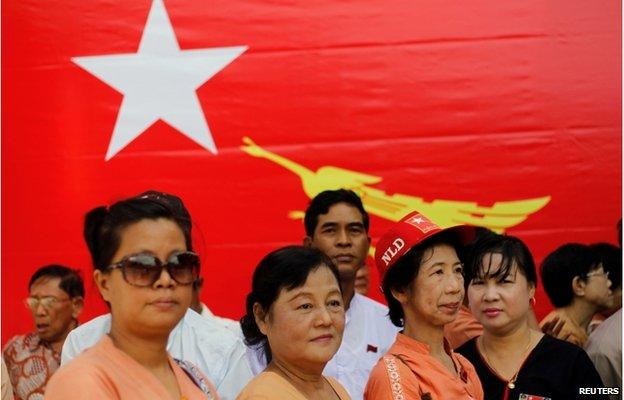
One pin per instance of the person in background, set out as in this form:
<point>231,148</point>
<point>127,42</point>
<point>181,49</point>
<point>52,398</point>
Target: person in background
<point>611,258</point>
<point>513,360</point>
<point>218,353</point>
<point>56,297</point>
<point>7,389</point>
<point>463,328</point>
<point>578,287</point>
<point>604,348</point>
<point>295,312</point>
<point>466,326</point>
<point>337,224</point>
<point>203,310</point>
<point>423,283</point>
<point>362,279</point>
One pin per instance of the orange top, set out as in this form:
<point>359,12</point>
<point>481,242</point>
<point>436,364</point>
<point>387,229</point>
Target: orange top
<point>408,371</point>
<point>269,385</point>
<point>570,332</point>
<point>105,372</point>
<point>463,328</point>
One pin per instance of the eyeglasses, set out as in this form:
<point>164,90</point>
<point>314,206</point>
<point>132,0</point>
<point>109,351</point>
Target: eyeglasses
<point>46,302</point>
<point>598,273</point>
<point>143,270</point>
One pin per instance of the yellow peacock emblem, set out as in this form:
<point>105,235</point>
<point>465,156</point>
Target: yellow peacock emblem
<point>498,217</point>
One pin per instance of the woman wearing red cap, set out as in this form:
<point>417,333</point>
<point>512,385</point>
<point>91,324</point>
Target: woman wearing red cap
<point>422,280</point>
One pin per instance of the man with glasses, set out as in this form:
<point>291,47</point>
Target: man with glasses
<point>578,286</point>
<point>55,299</point>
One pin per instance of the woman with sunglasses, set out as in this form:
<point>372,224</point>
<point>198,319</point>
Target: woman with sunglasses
<point>144,270</point>
<point>514,361</point>
<point>423,284</point>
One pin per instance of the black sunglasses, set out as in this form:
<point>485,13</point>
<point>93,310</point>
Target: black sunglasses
<point>144,269</point>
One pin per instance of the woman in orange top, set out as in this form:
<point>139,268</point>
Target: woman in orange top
<point>295,315</point>
<point>423,284</point>
<point>144,270</point>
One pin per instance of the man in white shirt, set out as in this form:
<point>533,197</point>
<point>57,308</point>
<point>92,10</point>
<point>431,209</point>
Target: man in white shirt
<point>604,347</point>
<point>337,224</point>
<point>215,350</point>
<point>203,310</point>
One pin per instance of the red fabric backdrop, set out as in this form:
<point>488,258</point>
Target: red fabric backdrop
<point>422,101</point>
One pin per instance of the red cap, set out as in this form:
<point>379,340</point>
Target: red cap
<point>407,233</point>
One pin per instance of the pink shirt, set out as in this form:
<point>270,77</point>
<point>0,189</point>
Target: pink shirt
<point>105,372</point>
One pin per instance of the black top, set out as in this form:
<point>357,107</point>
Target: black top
<point>554,369</point>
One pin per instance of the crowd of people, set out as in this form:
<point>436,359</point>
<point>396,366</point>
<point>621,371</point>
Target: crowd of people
<point>459,320</point>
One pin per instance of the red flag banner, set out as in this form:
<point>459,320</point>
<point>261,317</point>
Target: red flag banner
<point>498,114</point>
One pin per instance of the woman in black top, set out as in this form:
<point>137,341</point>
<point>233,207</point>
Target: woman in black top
<point>512,360</point>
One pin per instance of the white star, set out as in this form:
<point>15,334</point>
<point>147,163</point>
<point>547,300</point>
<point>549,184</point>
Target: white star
<point>159,82</point>
<point>418,220</point>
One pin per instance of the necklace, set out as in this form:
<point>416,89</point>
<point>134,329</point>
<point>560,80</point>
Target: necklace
<point>511,384</point>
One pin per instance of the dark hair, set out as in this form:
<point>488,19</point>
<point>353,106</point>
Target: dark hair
<point>510,248</point>
<point>286,268</point>
<point>611,258</point>
<point>102,225</point>
<point>322,202</point>
<point>404,271</point>
<point>560,267</point>
<point>71,281</point>
<point>481,233</point>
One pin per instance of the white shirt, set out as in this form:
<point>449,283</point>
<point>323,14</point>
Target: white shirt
<point>367,336</point>
<point>604,347</point>
<point>230,324</point>
<point>216,351</point>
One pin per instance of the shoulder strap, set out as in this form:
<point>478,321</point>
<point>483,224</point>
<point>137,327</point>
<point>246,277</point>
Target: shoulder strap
<point>196,377</point>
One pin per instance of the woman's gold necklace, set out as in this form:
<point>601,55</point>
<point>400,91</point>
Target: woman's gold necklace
<point>511,384</point>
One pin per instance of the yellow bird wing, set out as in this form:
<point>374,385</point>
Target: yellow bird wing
<point>498,217</point>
